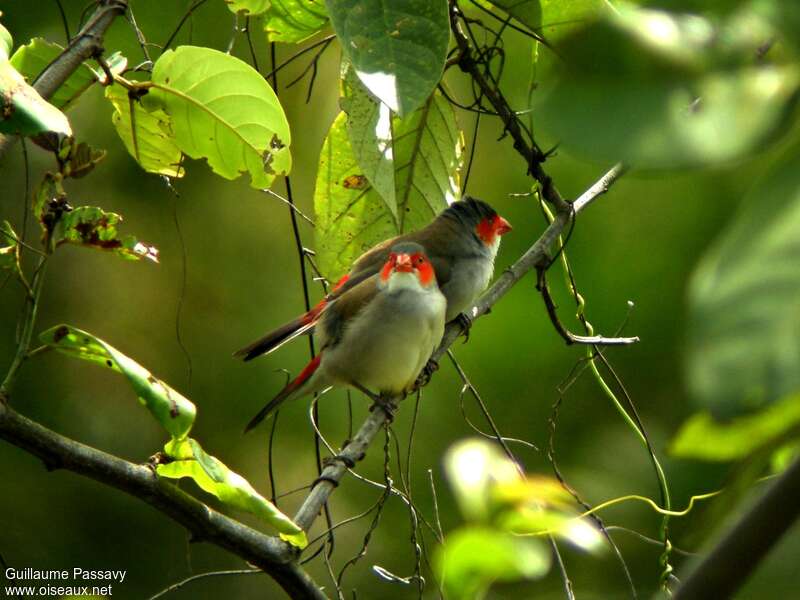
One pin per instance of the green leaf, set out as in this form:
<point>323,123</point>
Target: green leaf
<point>34,57</point>
<point>250,7</point>
<point>51,189</point>
<point>6,42</point>
<point>426,157</point>
<point>213,477</point>
<point>475,557</point>
<point>174,412</point>
<point>222,110</point>
<point>553,19</point>
<point>397,47</point>
<point>96,228</point>
<point>702,437</point>
<point>24,111</point>
<point>9,248</point>
<point>660,90</point>
<point>154,146</point>
<point>744,329</point>
<point>293,21</point>
<point>369,129</point>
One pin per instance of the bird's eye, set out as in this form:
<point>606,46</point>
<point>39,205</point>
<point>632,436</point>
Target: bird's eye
<point>420,260</point>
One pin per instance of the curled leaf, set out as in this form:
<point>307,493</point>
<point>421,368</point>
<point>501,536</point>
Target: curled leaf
<point>92,226</point>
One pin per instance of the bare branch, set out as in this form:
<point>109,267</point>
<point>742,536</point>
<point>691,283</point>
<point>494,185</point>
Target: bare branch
<point>86,44</point>
<point>58,452</point>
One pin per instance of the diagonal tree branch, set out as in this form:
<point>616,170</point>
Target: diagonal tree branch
<point>536,255</point>
<point>58,452</point>
<point>87,43</point>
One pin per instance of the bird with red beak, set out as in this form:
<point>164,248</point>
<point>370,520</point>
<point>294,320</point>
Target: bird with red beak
<point>378,335</point>
<point>461,243</point>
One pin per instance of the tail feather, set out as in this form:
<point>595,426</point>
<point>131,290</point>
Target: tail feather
<point>291,389</point>
<point>303,325</point>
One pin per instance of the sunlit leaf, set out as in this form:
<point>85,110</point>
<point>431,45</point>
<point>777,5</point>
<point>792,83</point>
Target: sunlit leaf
<point>32,58</point>
<point>213,477</point>
<point>426,157</point>
<point>474,467</point>
<point>222,110</point>
<point>397,47</point>
<point>250,7</point>
<point>24,111</point>
<point>660,90</point>
<point>9,248</point>
<point>96,228</point>
<point>154,146</point>
<point>6,42</point>
<point>174,412</point>
<point>744,331</point>
<point>293,21</point>
<point>702,437</point>
<point>475,557</point>
<point>553,18</point>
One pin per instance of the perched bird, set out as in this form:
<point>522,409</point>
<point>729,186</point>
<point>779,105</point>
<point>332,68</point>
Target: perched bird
<point>461,242</point>
<point>378,335</point>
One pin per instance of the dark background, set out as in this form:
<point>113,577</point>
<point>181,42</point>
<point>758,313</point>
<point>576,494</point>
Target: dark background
<point>639,243</point>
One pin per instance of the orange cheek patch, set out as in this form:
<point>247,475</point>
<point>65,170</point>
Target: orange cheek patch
<point>485,231</point>
<point>387,270</point>
<point>426,273</point>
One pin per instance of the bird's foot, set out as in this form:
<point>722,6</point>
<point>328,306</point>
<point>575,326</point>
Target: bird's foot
<point>425,375</point>
<point>387,405</point>
<point>466,324</point>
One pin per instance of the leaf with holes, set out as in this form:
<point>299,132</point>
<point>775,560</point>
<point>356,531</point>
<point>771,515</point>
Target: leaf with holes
<point>34,57</point>
<point>222,110</point>
<point>744,328</point>
<point>213,477</point>
<point>397,47</point>
<point>293,21</point>
<point>153,146</point>
<point>427,149</point>
<point>93,227</point>
<point>174,412</point>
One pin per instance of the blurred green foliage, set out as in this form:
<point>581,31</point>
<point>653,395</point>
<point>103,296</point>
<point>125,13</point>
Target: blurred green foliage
<point>229,269</point>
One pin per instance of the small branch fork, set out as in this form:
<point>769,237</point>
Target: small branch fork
<point>88,43</point>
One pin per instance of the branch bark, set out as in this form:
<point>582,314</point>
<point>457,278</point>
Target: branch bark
<point>268,553</point>
<point>723,571</point>
<point>86,44</point>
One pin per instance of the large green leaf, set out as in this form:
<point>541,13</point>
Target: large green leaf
<point>153,145</point>
<point>744,302</point>
<point>6,42</point>
<point>475,557</point>
<point>397,47</point>
<point>95,228</point>
<point>552,18</point>
<point>24,111</point>
<point>293,21</point>
<point>660,90</point>
<point>704,438</point>
<point>426,157</point>
<point>32,58</point>
<point>213,477</point>
<point>222,110</point>
<point>174,412</point>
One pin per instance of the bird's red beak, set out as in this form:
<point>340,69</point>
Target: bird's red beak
<point>403,264</point>
<point>502,226</point>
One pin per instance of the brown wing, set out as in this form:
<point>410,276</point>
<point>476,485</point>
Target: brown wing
<point>343,309</point>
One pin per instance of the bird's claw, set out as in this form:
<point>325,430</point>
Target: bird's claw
<point>466,323</point>
<point>387,405</point>
<point>425,375</point>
